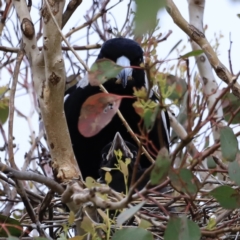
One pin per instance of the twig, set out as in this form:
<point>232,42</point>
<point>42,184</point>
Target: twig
<point>200,39</point>
<point>23,175</point>
<point>229,54</point>
<point>130,130</point>
<point>19,186</point>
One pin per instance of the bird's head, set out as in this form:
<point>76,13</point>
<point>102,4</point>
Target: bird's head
<point>125,52</point>
<point>109,160</point>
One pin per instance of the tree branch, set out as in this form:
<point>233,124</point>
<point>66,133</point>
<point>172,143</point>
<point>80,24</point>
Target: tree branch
<point>198,36</point>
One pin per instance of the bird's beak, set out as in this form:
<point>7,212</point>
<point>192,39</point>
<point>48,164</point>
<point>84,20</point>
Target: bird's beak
<point>126,72</point>
<point>119,144</point>
<point>100,180</point>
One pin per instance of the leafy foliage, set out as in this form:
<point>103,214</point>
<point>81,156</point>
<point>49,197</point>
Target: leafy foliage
<point>234,170</point>
<point>183,180</point>
<point>192,54</point>
<point>10,227</point>
<point>182,228</point>
<point>128,213</point>
<point>231,107</point>
<point>161,168</point>
<point>228,197</point>
<point>138,233</point>
<point>229,144</point>
<point>146,15</point>
<point>97,111</point>
<point>4,105</point>
<point>102,70</point>
<point>184,210</point>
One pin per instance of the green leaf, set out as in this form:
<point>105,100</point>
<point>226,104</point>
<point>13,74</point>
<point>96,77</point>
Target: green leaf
<point>108,178</point>
<point>229,144</point>
<point>238,15</point>
<point>129,233</point>
<point>234,170</point>
<point>228,197</point>
<point>211,163</point>
<point>179,84</point>
<point>147,119</point>
<point>102,70</point>
<point>146,15</point>
<point>124,168</point>
<point>12,225</point>
<point>192,54</point>
<point>4,105</point>
<point>161,167</point>
<point>90,182</point>
<point>4,112</point>
<point>87,225</point>
<point>150,117</point>
<point>71,218</point>
<point>211,223</point>
<point>230,103</point>
<point>183,180</point>
<point>128,213</point>
<point>182,228</point>
<point>145,224</point>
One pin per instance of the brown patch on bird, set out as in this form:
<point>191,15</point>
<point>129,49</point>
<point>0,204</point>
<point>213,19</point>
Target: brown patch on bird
<point>54,79</point>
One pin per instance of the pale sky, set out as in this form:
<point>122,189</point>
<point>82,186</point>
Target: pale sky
<point>220,16</point>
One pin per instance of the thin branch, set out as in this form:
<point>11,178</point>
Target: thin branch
<point>197,36</point>
<point>64,48</point>
<point>23,175</point>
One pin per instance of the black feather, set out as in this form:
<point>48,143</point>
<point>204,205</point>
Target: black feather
<point>88,150</point>
<point>109,160</point>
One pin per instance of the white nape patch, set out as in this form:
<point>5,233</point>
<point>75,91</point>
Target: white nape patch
<point>126,72</point>
<point>65,97</point>
<point>123,61</point>
<point>83,82</point>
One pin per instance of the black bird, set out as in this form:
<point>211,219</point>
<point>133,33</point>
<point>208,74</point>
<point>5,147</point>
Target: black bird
<point>88,150</point>
<point>110,161</point>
